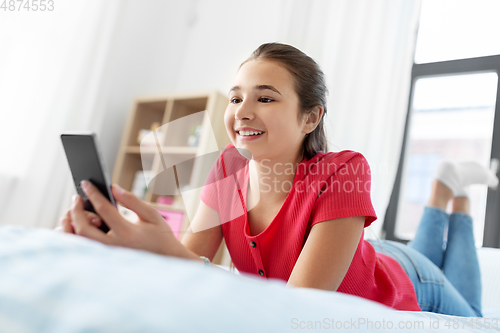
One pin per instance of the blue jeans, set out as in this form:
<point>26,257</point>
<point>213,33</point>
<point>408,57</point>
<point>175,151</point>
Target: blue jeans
<point>446,279</point>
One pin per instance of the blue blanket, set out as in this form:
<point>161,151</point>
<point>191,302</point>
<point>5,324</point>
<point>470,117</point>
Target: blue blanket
<point>55,282</point>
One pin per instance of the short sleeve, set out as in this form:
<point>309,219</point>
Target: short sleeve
<point>209,194</point>
<point>346,193</point>
<point>222,189</point>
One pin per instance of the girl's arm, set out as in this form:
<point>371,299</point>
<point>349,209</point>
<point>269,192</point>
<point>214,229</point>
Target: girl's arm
<point>206,239</point>
<point>327,253</point>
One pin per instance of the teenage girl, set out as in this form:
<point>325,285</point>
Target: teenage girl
<point>295,212</point>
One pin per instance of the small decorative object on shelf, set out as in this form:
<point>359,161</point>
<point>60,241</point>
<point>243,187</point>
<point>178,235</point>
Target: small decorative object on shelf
<point>165,200</point>
<point>139,187</point>
<point>174,220</point>
<point>194,138</point>
<point>144,139</point>
<point>128,214</point>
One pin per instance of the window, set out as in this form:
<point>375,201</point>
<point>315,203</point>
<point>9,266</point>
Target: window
<point>457,29</point>
<point>451,114</point>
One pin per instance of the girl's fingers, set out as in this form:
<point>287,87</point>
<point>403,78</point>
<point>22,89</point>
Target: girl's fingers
<point>82,225</point>
<point>66,226</point>
<point>92,217</point>
<point>67,216</point>
<point>96,221</point>
<point>105,208</point>
<point>62,223</point>
<point>142,209</point>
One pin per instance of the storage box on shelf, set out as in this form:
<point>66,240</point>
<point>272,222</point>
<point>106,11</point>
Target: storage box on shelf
<point>176,146</point>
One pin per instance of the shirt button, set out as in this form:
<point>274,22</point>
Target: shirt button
<point>252,244</point>
<point>261,272</point>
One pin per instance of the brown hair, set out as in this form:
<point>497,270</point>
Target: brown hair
<point>309,85</point>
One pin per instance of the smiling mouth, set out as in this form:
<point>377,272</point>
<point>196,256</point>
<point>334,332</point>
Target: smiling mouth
<point>250,133</point>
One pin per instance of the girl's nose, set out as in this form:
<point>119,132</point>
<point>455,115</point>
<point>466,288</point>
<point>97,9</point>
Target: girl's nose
<point>244,112</point>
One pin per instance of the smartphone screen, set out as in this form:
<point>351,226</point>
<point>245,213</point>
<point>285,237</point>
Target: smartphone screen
<point>86,163</point>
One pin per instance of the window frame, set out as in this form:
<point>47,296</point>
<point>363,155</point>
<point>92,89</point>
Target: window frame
<point>491,233</point>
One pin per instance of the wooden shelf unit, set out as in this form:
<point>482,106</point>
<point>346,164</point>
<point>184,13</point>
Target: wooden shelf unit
<point>163,110</point>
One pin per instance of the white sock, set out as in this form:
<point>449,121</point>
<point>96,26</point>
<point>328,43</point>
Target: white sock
<point>458,176</point>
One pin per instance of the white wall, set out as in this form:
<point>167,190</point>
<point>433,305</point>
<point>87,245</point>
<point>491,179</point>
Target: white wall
<point>179,46</point>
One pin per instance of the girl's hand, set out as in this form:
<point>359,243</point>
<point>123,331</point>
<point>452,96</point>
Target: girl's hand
<point>65,223</point>
<point>150,233</point>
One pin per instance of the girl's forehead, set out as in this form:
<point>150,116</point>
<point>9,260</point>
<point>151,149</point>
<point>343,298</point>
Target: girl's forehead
<point>263,72</point>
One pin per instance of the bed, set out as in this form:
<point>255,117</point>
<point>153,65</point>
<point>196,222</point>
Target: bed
<point>55,282</point>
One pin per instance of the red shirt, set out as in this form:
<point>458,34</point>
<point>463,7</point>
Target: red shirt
<point>326,187</point>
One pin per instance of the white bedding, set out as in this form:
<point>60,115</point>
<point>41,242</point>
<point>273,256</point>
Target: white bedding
<point>54,282</point>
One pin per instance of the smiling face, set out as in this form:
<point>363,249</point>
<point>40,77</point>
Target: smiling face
<point>263,100</point>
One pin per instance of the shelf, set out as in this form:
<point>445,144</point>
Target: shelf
<point>131,164</point>
<point>146,114</point>
<point>187,106</point>
<point>180,129</point>
<point>181,120</point>
<point>164,150</point>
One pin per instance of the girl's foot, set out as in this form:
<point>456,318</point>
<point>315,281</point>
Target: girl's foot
<point>458,176</point>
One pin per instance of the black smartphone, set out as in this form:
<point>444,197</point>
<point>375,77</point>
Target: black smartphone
<point>86,163</point>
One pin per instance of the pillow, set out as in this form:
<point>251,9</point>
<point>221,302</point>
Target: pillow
<point>489,263</point>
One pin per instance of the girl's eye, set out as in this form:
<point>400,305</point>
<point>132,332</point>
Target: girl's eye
<point>235,100</point>
<point>265,100</point>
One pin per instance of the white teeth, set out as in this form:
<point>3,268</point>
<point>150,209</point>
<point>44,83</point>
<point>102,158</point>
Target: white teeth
<point>244,133</point>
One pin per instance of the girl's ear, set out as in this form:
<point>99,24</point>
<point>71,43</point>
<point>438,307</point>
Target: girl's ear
<point>313,118</point>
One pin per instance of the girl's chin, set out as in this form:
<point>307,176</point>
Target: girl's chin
<point>246,151</point>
